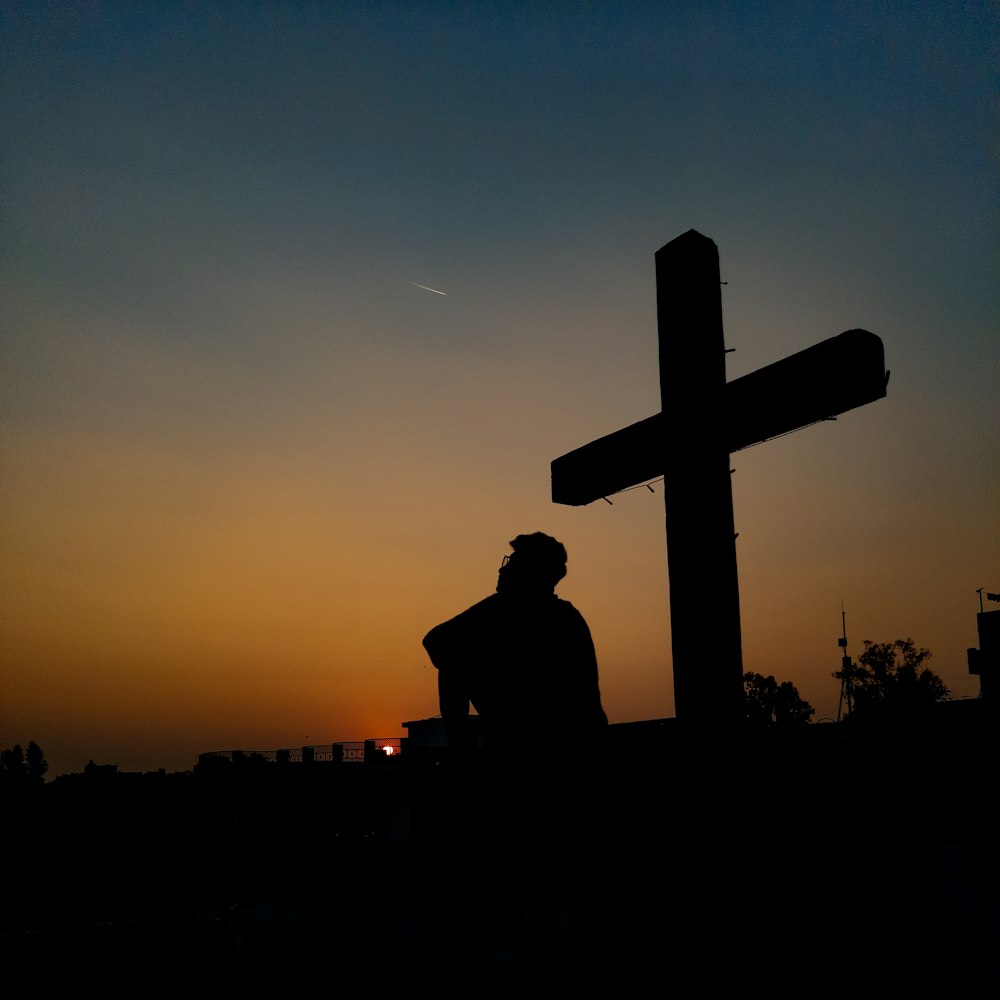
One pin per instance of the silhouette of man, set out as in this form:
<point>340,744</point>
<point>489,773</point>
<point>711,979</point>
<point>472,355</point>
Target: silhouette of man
<point>524,812</point>
<point>522,657</point>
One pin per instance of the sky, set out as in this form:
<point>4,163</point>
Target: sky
<point>250,456</point>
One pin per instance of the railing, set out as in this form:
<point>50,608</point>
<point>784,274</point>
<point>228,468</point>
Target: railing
<point>374,751</point>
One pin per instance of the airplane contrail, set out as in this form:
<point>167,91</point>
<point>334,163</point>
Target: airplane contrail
<point>426,288</point>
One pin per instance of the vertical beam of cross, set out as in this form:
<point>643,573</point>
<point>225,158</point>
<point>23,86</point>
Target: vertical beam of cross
<point>698,497</point>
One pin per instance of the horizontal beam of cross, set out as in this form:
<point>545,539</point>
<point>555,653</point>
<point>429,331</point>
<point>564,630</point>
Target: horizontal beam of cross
<point>816,384</point>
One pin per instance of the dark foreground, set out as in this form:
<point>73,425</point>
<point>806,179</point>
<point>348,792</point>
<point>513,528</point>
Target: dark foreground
<point>815,863</point>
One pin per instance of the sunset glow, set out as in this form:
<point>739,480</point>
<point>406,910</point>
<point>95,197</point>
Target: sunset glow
<point>247,464</point>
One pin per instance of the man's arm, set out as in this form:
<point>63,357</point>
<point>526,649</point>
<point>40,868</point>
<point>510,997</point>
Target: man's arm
<point>454,703</point>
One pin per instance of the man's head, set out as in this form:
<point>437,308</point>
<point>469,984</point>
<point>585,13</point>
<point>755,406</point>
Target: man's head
<point>536,564</point>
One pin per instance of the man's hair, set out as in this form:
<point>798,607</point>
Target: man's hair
<point>543,551</point>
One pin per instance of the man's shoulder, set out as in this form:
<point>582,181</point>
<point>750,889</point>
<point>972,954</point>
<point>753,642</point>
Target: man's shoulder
<point>569,614</point>
<point>567,608</point>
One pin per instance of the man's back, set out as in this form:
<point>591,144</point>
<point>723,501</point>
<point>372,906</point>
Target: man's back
<point>527,666</point>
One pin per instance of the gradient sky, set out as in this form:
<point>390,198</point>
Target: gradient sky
<point>248,462</point>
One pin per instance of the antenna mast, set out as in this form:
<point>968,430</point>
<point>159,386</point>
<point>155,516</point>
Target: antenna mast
<point>846,667</point>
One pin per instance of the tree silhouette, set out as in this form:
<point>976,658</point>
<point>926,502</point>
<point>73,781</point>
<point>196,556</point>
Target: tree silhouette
<point>891,677</point>
<point>35,764</point>
<point>773,705</point>
<point>18,767</point>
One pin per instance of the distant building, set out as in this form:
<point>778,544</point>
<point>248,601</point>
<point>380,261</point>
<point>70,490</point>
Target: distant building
<point>985,661</point>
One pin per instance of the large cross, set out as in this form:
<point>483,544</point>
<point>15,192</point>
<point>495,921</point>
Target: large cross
<point>703,419</point>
